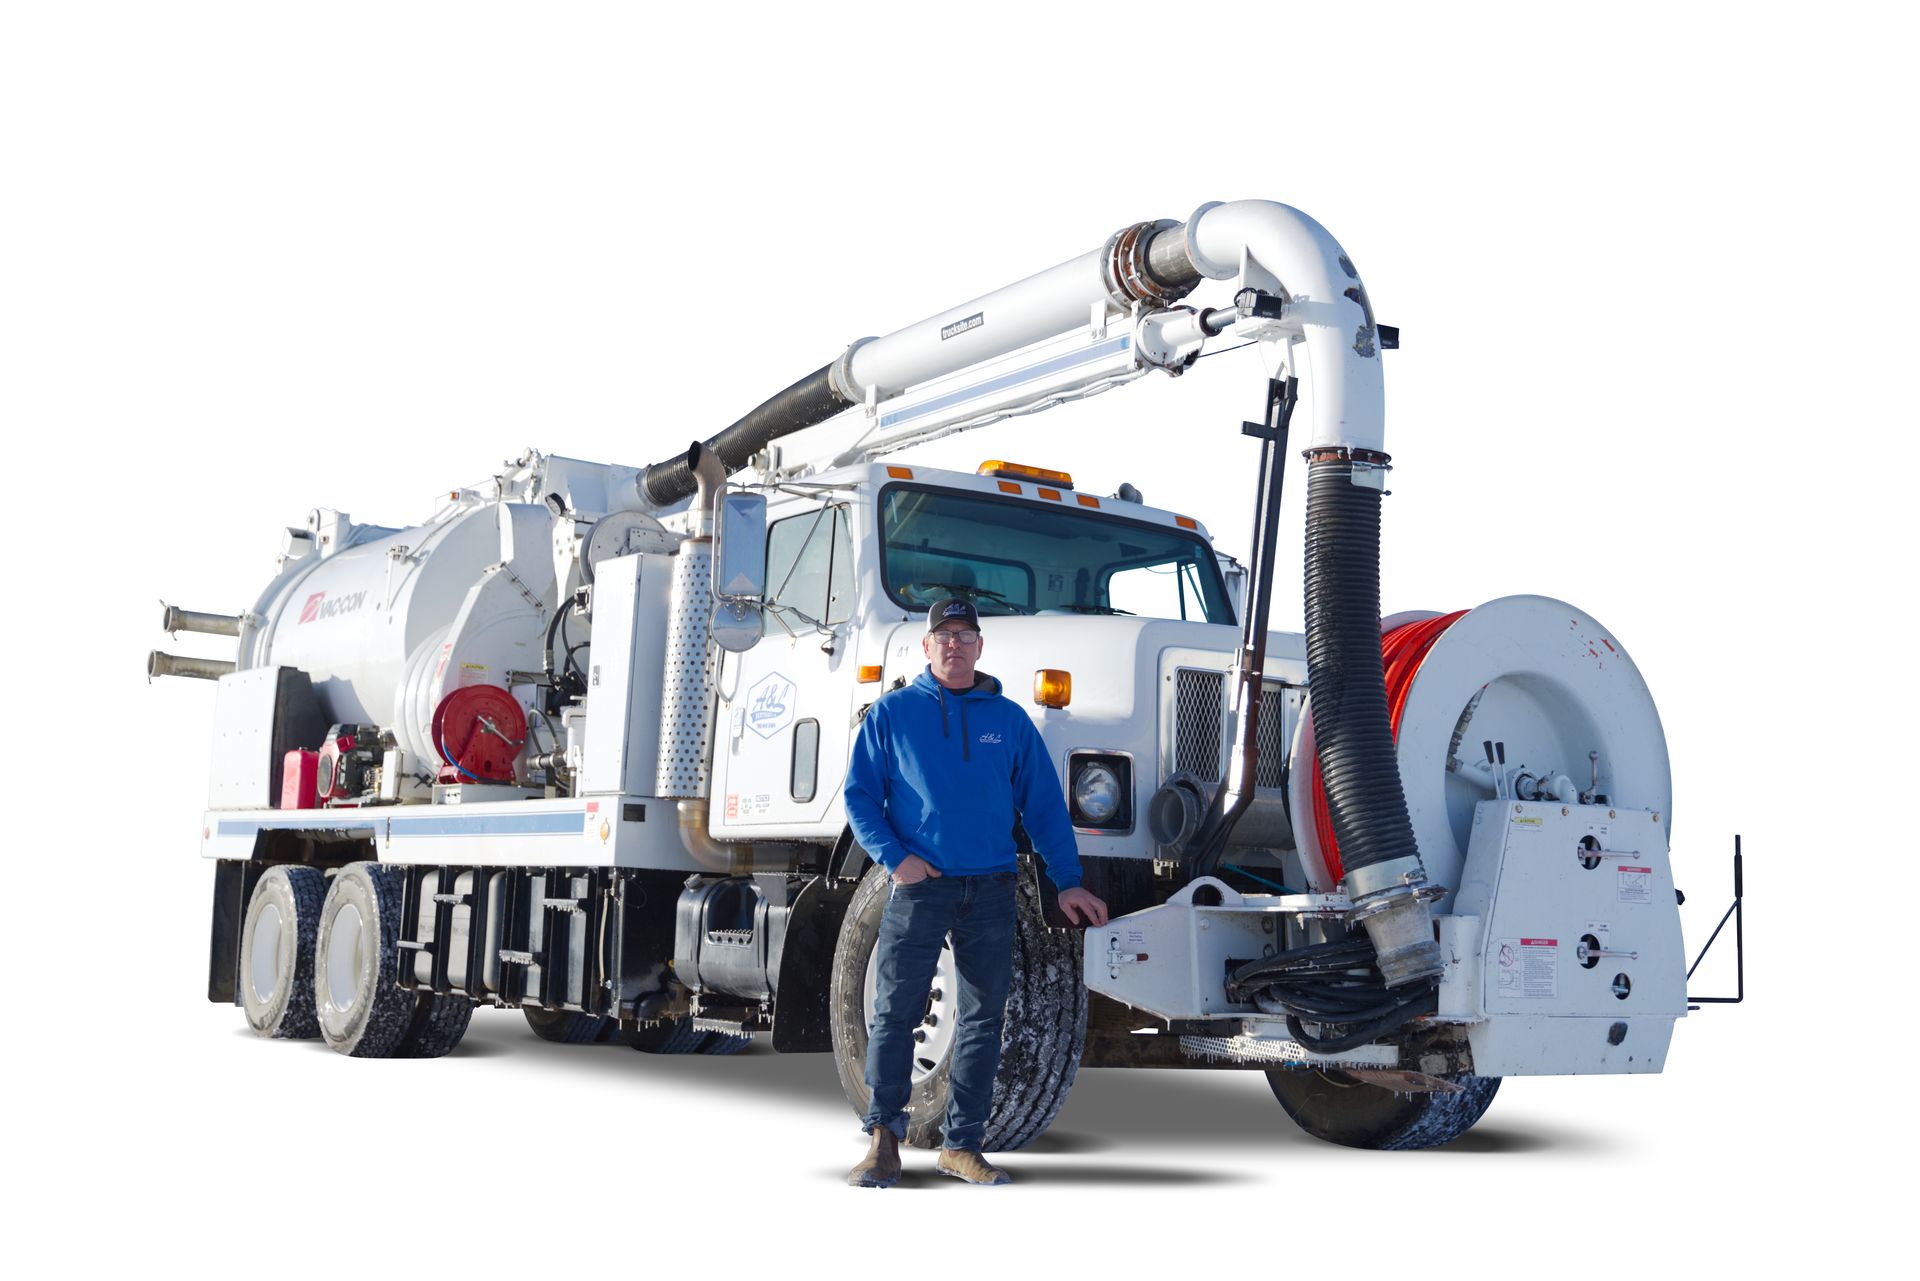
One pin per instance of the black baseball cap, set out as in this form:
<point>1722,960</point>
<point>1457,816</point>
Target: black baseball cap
<point>951,609</point>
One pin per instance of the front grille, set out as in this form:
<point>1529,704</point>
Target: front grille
<point>1272,737</point>
<point>1200,732</point>
<point>1198,704</point>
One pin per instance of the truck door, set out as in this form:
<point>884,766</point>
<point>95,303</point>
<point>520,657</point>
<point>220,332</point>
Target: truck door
<point>786,705</point>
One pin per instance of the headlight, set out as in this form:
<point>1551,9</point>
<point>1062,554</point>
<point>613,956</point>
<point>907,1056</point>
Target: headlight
<point>1096,793</point>
<point>1100,791</point>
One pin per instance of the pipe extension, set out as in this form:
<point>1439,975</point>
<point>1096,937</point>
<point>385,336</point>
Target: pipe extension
<point>174,620</point>
<point>206,669</point>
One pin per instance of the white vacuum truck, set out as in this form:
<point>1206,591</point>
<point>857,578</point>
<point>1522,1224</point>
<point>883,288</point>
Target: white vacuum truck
<point>575,743</point>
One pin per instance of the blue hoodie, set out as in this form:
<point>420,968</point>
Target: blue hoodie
<point>942,775</point>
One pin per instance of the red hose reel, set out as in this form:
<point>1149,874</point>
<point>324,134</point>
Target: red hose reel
<point>1402,649</point>
<point>479,730</point>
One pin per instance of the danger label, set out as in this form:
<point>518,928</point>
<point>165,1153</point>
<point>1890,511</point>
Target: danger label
<point>1636,884</point>
<point>1527,969</point>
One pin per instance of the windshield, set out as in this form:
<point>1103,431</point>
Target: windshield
<point>1018,557</point>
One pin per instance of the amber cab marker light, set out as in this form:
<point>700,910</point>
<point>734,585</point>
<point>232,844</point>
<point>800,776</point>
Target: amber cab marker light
<point>1086,500</point>
<point>869,674</point>
<point>900,473</point>
<point>1052,687</point>
<point>1022,471</point>
<point>1186,522</point>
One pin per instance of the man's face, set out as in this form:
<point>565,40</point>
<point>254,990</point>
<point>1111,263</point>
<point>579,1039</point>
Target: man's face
<point>952,650</point>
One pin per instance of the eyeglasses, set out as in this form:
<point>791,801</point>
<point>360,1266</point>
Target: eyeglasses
<point>958,636</point>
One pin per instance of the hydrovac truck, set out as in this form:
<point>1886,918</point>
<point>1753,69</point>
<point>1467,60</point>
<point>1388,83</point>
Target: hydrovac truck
<point>575,743</point>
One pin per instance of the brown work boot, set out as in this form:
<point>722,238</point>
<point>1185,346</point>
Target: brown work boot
<point>964,1163</point>
<point>881,1168</point>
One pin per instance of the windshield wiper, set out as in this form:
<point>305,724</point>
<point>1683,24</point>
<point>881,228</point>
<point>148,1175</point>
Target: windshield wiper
<point>1096,609</point>
<point>964,589</point>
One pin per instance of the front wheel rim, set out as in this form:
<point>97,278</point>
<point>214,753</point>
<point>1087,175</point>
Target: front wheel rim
<point>933,1037</point>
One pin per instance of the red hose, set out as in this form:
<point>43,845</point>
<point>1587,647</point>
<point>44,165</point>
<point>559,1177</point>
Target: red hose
<point>1402,650</point>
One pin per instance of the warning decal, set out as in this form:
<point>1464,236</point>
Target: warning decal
<point>1636,884</point>
<point>1527,969</point>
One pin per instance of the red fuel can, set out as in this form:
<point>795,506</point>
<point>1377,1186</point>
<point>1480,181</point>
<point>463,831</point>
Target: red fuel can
<point>299,780</point>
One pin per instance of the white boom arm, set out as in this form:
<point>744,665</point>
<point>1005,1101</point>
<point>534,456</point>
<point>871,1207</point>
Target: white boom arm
<point>1270,248</point>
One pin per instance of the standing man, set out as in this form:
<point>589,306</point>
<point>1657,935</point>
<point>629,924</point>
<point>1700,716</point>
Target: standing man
<point>940,771</point>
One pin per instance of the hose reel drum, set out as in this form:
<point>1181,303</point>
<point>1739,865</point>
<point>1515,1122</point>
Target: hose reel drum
<point>1542,681</point>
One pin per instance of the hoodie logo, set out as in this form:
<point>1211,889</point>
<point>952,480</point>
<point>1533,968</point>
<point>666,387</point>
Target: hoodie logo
<point>990,738</point>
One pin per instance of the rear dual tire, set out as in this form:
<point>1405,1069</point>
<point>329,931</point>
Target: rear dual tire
<point>361,1008</point>
<point>276,953</point>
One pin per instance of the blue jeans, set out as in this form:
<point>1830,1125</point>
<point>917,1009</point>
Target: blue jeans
<point>979,912</point>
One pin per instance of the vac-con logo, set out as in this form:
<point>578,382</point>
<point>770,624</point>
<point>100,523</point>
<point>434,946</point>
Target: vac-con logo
<point>318,606</point>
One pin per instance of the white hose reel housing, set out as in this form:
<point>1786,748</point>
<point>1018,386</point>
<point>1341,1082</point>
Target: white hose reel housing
<point>1537,675</point>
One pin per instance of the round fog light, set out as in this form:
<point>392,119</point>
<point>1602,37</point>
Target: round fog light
<point>1096,793</point>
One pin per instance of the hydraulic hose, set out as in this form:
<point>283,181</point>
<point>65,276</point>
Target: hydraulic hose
<point>1333,985</point>
<point>1407,1012</point>
<point>813,399</point>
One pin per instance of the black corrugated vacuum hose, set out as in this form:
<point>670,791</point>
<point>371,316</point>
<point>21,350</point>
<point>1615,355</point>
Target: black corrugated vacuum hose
<point>1351,728</point>
<point>809,401</point>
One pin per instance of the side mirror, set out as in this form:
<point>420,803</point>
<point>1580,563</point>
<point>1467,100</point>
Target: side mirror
<point>740,547</point>
<point>739,570</point>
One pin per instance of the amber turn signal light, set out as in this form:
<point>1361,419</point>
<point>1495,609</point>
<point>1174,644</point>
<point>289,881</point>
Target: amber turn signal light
<point>1052,687</point>
<point>869,674</point>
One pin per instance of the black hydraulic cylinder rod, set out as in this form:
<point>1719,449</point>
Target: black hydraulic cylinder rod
<point>811,400</point>
<point>1207,846</point>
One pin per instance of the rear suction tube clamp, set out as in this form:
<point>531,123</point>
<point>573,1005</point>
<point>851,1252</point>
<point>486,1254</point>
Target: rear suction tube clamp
<point>1390,900</point>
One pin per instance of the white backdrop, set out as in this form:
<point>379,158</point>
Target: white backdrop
<point>1653,273</point>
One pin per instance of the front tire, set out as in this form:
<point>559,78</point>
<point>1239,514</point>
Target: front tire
<point>1334,1106</point>
<point>276,953</point>
<point>1046,1025</point>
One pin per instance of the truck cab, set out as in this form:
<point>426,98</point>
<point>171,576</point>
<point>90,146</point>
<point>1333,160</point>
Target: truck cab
<point>1092,607</point>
